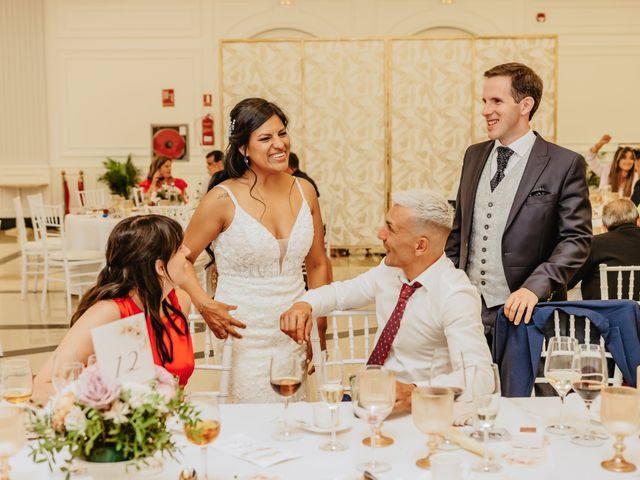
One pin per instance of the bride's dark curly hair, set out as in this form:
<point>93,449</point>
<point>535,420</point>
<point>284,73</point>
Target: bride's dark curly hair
<point>132,250</point>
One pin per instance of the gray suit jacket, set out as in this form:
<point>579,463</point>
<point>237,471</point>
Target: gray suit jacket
<point>548,232</point>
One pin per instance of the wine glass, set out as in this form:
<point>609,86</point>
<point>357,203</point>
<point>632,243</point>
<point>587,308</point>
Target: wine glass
<point>17,380</point>
<point>432,413</point>
<point>331,389</point>
<point>381,440</point>
<point>620,415</point>
<point>207,428</point>
<point>592,365</point>
<point>286,374</point>
<point>487,403</point>
<point>374,398</point>
<point>561,370</point>
<point>12,435</point>
<point>65,369</point>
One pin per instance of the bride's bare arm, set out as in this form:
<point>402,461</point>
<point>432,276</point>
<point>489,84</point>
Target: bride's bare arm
<point>209,219</point>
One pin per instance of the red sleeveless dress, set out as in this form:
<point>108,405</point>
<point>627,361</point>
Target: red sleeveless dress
<point>183,362</point>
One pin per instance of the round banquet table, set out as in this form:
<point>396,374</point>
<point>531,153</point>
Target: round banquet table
<point>564,460</point>
<point>88,232</point>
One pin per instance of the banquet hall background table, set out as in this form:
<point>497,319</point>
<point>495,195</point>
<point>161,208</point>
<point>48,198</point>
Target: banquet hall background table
<point>88,232</point>
<point>564,459</point>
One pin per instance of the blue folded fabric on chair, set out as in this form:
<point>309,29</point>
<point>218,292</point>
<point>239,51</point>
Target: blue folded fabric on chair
<point>517,349</point>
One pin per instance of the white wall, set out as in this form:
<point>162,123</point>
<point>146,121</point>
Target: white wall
<point>103,63</point>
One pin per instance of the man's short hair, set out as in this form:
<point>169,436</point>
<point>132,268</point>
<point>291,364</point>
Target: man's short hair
<point>216,154</point>
<point>294,161</point>
<point>524,82</point>
<point>618,213</point>
<point>429,208</point>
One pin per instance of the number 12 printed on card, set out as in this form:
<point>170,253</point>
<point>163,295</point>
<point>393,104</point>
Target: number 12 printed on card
<point>123,350</point>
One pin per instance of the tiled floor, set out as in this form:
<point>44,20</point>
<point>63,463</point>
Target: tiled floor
<point>28,332</point>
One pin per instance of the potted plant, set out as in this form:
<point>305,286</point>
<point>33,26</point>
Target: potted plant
<point>120,176</point>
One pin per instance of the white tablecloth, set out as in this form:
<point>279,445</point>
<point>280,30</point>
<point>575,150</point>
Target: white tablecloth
<point>565,460</point>
<point>88,232</point>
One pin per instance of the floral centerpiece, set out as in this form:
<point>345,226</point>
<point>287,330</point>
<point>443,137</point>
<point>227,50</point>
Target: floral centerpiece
<point>167,194</point>
<point>102,420</point>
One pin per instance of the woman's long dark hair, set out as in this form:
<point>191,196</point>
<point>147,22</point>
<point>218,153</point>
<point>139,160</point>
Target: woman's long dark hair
<point>155,166</point>
<point>132,250</point>
<point>627,185</point>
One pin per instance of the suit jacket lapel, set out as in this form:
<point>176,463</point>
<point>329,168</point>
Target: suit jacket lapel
<point>474,180</point>
<point>538,159</point>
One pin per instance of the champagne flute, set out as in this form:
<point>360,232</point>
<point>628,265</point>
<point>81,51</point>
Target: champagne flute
<point>375,397</point>
<point>592,365</point>
<point>286,374</point>
<point>432,413</point>
<point>12,436</point>
<point>381,440</point>
<point>331,389</point>
<point>561,370</point>
<point>65,369</point>
<point>207,428</point>
<point>17,380</point>
<point>487,403</point>
<point>620,415</point>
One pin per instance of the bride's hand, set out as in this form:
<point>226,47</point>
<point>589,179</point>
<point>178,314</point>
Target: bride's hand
<point>217,316</point>
<point>296,322</point>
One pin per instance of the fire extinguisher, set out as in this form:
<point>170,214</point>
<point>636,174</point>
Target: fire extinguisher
<point>207,137</point>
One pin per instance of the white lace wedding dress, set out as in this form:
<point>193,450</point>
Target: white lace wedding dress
<point>263,277</point>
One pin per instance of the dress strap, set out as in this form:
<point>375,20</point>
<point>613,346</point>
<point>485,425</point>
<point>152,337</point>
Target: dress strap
<point>233,199</point>
<point>126,306</point>
<point>300,188</point>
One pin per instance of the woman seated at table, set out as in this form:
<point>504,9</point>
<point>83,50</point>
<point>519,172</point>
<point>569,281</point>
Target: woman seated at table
<point>145,263</point>
<point>159,177</point>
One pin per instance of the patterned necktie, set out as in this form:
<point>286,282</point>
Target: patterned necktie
<point>382,348</point>
<point>504,154</point>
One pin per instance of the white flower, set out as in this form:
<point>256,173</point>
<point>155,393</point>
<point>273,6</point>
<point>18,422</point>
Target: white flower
<point>118,412</point>
<point>138,394</point>
<point>75,421</point>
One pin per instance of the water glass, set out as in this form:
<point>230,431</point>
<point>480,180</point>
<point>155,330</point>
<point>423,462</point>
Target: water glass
<point>561,370</point>
<point>432,413</point>
<point>331,390</point>
<point>65,369</point>
<point>620,415</point>
<point>487,403</point>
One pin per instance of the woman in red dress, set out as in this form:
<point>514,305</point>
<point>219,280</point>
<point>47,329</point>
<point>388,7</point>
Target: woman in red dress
<point>145,265</point>
<point>160,175</point>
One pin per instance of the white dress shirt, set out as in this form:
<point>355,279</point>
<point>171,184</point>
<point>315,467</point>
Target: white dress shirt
<point>521,150</point>
<point>441,320</point>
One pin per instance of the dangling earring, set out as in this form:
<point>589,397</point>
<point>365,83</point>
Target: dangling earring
<point>246,160</point>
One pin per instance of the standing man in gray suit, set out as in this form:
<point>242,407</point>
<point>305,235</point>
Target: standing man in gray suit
<point>522,225</point>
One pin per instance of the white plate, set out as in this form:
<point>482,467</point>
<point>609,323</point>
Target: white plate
<point>342,425</point>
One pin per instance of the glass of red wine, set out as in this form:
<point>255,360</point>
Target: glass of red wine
<point>592,365</point>
<point>286,374</point>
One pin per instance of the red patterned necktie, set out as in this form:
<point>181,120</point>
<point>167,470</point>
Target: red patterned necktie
<point>382,348</point>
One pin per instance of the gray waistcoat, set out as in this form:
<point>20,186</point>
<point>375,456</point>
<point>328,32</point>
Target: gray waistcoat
<point>490,213</point>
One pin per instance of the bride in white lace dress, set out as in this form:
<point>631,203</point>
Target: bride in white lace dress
<point>264,224</point>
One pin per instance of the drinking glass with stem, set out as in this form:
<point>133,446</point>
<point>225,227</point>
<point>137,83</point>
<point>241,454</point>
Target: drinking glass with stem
<point>620,415</point>
<point>207,427</point>
<point>487,404</point>
<point>432,413</point>
<point>12,435</point>
<point>286,374</point>
<point>373,401</point>
<point>65,368</point>
<point>17,380</point>
<point>592,365</point>
<point>561,370</point>
<point>381,440</point>
<point>331,389</point>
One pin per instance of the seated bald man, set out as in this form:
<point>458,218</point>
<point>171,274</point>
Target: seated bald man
<point>424,305</point>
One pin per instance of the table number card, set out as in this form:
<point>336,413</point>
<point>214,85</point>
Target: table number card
<point>123,350</point>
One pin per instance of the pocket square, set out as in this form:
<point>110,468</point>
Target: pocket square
<point>538,192</point>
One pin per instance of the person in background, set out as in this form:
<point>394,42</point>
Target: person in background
<point>620,245</point>
<point>160,175</point>
<point>214,162</point>
<point>145,265</point>
<point>635,194</point>
<point>294,169</point>
<point>621,175</point>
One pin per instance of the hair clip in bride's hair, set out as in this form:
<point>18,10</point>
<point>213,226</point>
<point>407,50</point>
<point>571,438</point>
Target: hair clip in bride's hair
<point>232,124</point>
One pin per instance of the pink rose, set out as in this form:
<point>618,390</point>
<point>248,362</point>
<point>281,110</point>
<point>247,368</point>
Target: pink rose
<point>166,385</point>
<point>96,390</point>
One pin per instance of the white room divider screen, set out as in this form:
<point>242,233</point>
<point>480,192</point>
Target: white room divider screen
<point>375,115</point>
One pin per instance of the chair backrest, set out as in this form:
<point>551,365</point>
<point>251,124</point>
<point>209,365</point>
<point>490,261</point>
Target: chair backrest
<point>180,213</point>
<point>214,349</point>
<point>48,222</point>
<point>138,196</point>
<point>327,229</point>
<point>91,198</point>
<point>34,200</point>
<point>624,282</point>
<point>20,225</point>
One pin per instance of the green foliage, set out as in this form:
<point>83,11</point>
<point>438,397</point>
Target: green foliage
<point>593,179</point>
<point>120,176</point>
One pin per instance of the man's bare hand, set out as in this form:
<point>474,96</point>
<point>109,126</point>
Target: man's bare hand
<point>520,305</point>
<point>296,322</point>
<point>403,397</point>
<point>217,316</point>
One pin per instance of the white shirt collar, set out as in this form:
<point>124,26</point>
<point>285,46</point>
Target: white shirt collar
<point>522,145</point>
<point>429,275</point>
